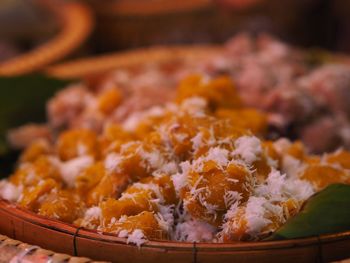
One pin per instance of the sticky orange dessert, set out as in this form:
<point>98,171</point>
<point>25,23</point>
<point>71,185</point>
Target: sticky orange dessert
<point>197,169</point>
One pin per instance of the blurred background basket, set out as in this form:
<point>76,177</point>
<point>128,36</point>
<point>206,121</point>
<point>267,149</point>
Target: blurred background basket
<point>74,21</point>
<point>124,24</point>
<point>97,65</point>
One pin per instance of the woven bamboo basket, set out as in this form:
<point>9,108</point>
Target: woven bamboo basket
<point>76,23</point>
<point>65,238</point>
<point>15,251</point>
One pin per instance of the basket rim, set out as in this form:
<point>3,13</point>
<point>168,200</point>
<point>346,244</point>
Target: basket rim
<point>52,224</point>
<point>105,63</point>
<point>76,24</point>
<point>124,59</point>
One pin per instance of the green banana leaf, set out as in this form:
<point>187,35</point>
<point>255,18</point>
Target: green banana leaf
<point>22,100</point>
<point>326,212</point>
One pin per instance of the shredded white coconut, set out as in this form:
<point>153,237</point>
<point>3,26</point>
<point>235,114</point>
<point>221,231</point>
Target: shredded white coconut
<point>10,191</point>
<point>137,237</point>
<point>194,231</point>
<point>82,149</point>
<point>301,190</point>
<point>71,169</point>
<point>231,197</point>
<point>123,233</point>
<point>112,162</point>
<point>218,155</point>
<point>165,217</point>
<point>169,168</point>
<point>180,179</point>
<point>255,215</point>
<point>291,166</point>
<point>93,212</point>
<point>273,186</point>
<point>197,141</point>
<point>154,159</point>
<point>194,106</point>
<point>131,123</point>
<point>232,211</point>
<point>248,148</point>
<point>281,145</point>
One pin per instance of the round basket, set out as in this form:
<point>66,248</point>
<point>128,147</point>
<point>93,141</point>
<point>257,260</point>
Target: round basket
<point>76,24</point>
<point>66,238</point>
<point>102,64</point>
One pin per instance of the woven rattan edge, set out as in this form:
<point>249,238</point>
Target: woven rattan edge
<point>19,250</point>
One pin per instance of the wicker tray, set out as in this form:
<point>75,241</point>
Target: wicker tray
<point>76,20</point>
<point>66,238</point>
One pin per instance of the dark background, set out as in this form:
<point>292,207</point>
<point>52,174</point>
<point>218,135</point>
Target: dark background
<point>306,23</point>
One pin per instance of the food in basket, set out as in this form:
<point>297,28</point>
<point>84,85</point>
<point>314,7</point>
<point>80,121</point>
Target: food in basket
<point>198,168</point>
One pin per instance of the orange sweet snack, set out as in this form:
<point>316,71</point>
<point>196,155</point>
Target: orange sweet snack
<point>213,188</point>
<point>30,174</point>
<point>35,150</point>
<point>74,143</point>
<point>340,157</point>
<point>321,175</point>
<point>238,226</point>
<point>145,223</point>
<point>129,204</point>
<point>89,178</point>
<point>165,186</point>
<point>31,196</point>
<point>114,136</point>
<point>219,92</point>
<point>249,119</point>
<point>109,100</point>
<point>61,205</point>
<point>110,185</point>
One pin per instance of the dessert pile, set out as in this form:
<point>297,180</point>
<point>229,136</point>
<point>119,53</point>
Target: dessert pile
<point>198,168</point>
